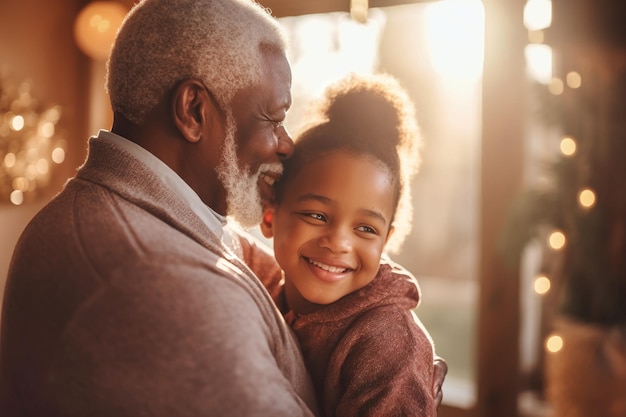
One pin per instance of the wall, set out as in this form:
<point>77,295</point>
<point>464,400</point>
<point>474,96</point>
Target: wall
<point>36,43</point>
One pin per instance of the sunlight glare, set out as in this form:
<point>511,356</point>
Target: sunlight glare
<point>455,37</point>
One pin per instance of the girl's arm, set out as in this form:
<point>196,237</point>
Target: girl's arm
<point>260,259</point>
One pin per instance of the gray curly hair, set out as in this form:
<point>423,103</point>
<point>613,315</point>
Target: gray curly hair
<point>162,42</point>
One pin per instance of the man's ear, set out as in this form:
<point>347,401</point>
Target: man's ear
<point>189,104</point>
<point>268,221</point>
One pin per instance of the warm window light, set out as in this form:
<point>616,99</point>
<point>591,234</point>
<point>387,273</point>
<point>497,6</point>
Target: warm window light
<point>555,86</point>
<point>568,146</point>
<point>537,14</point>
<point>556,240</point>
<point>554,343</point>
<point>573,79</point>
<point>542,284</point>
<point>586,198</point>
<point>539,62</point>
<point>455,37</point>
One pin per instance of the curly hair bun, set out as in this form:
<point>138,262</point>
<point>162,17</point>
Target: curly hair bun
<point>373,108</point>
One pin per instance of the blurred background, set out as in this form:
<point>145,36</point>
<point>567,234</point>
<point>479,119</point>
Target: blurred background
<point>519,228</point>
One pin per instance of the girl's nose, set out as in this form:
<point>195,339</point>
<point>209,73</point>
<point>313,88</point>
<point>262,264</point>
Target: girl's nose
<point>337,240</point>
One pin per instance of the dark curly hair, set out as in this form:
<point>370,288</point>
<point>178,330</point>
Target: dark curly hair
<point>370,116</point>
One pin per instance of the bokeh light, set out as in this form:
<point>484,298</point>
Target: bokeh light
<point>96,26</point>
<point>586,198</point>
<point>556,240</point>
<point>573,79</point>
<point>542,284</point>
<point>568,146</point>
<point>554,343</point>
<point>556,86</point>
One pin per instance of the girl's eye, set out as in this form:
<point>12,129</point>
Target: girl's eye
<point>277,125</point>
<point>367,229</point>
<point>317,216</point>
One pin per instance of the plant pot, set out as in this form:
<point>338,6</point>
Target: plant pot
<point>587,376</point>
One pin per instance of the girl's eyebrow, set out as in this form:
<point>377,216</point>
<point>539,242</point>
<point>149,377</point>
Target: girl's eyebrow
<point>315,197</point>
<point>374,214</point>
<point>325,200</point>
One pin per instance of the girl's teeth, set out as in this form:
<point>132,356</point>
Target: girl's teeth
<point>333,269</point>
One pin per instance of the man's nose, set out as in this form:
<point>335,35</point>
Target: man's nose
<point>285,143</point>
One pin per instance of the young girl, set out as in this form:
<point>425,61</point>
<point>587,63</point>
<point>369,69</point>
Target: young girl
<point>343,199</point>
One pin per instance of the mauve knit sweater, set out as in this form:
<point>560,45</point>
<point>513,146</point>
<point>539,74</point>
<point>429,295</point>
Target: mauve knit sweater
<point>120,301</point>
<point>368,353</point>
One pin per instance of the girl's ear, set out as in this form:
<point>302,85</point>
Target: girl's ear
<point>268,219</point>
<point>189,104</point>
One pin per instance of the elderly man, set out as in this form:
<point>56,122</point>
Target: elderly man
<point>124,296</point>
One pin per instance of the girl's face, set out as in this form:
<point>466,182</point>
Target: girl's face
<point>331,227</point>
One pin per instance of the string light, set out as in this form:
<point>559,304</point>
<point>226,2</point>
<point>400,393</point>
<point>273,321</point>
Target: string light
<point>586,198</point>
<point>554,343</point>
<point>556,240</point>
<point>568,146</point>
<point>542,284</point>
<point>29,142</point>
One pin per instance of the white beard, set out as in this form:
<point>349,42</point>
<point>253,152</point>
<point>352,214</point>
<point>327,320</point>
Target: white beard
<point>243,199</point>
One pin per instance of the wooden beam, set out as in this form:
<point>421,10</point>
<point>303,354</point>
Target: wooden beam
<point>283,8</point>
<point>504,110</point>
